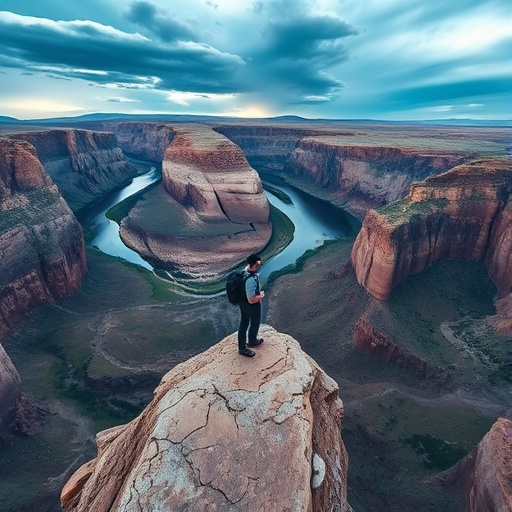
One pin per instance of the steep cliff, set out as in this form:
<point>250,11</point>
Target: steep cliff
<point>84,164</point>
<point>209,213</point>
<point>147,141</point>
<point>363,175</point>
<point>41,242</point>
<point>10,393</point>
<point>224,433</point>
<point>463,213</point>
<point>265,145</point>
<point>486,473</point>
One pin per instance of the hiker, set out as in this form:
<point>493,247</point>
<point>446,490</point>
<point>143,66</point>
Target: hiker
<point>250,309</point>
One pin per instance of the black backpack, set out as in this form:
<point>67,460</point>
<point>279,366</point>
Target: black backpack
<point>235,287</point>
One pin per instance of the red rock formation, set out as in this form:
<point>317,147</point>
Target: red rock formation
<point>463,213</point>
<point>41,242</point>
<point>368,339</point>
<point>214,211</point>
<point>365,175</point>
<point>486,473</point>
<point>84,164</point>
<point>223,433</point>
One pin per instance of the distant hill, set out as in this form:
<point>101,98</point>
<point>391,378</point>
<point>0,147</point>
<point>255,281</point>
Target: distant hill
<point>100,116</point>
<point>7,119</point>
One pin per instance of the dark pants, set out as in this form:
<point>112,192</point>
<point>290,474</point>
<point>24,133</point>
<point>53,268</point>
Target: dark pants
<point>250,318</point>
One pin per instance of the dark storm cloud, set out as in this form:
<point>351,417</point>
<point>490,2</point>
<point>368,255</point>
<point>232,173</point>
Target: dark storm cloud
<point>297,51</point>
<point>84,49</point>
<point>167,29</point>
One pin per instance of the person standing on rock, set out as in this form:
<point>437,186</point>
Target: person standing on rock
<point>250,310</point>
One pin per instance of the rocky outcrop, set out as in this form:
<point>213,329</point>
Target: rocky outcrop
<point>84,164</point>
<point>211,212</point>
<point>10,393</point>
<point>147,141</point>
<point>368,339</point>
<point>463,213</point>
<point>360,176</point>
<point>41,242</point>
<point>225,433</point>
<point>486,473</point>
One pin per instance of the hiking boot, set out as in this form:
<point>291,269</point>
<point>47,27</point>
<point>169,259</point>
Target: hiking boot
<point>259,341</point>
<point>247,353</point>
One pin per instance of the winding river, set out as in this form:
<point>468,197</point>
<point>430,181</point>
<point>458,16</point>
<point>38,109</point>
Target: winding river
<point>315,221</point>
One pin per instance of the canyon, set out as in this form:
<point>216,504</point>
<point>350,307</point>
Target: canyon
<point>373,172</point>
<point>84,164</point>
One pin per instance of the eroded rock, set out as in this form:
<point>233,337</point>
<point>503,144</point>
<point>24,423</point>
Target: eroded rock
<point>225,433</point>
<point>463,213</point>
<point>486,473</point>
<point>41,242</point>
<point>210,213</point>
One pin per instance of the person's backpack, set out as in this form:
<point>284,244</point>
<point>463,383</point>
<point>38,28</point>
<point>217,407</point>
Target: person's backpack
<point>235,287</point>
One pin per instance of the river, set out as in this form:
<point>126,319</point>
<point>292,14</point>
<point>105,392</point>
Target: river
<point>315,221</point>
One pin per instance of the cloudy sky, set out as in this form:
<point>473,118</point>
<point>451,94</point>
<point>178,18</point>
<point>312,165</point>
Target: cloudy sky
<point>380,59</point>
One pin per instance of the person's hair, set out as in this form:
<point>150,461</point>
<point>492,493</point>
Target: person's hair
<point>252,259</point>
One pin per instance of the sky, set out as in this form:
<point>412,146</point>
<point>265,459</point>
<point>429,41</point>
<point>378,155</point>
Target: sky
<point>335,59</point>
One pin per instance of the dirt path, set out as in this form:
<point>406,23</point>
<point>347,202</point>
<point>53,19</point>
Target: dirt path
<point>492,405</point>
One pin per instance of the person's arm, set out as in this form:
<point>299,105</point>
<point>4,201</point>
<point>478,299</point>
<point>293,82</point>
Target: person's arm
<point>250,289</point>
<point>256,298</point>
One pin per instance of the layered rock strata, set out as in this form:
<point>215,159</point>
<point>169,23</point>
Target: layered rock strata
<point>210,213</point>
<point>84,164</point>
<point>147,141</point>
<point>360,176</point>
<point>41,242</point>
<point>486,473</point>
<point>225,433</point>
<point>265,145</point>
<point>463,213</point>
<point>10,393</point>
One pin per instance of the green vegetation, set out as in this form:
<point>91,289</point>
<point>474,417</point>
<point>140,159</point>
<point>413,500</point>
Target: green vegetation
<point>436,453</point>
<point>402,210</point>
<point>118,212</point>
<point>285,198</point>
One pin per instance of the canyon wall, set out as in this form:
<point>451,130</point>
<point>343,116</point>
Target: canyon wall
<point>147,141</point>
<point>265,145</point>
<point>84,164</point>
<point>463,213</point>
<point>360,176</point>
<point>225,433</point>
<point>41,242</point>
<point>209,213</point>
<point>486,473</point>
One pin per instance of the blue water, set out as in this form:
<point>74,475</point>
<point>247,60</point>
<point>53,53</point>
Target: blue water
<point>315,222</point>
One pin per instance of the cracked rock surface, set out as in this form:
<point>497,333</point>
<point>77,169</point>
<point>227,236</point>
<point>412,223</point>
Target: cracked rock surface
<point>224,432</point>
